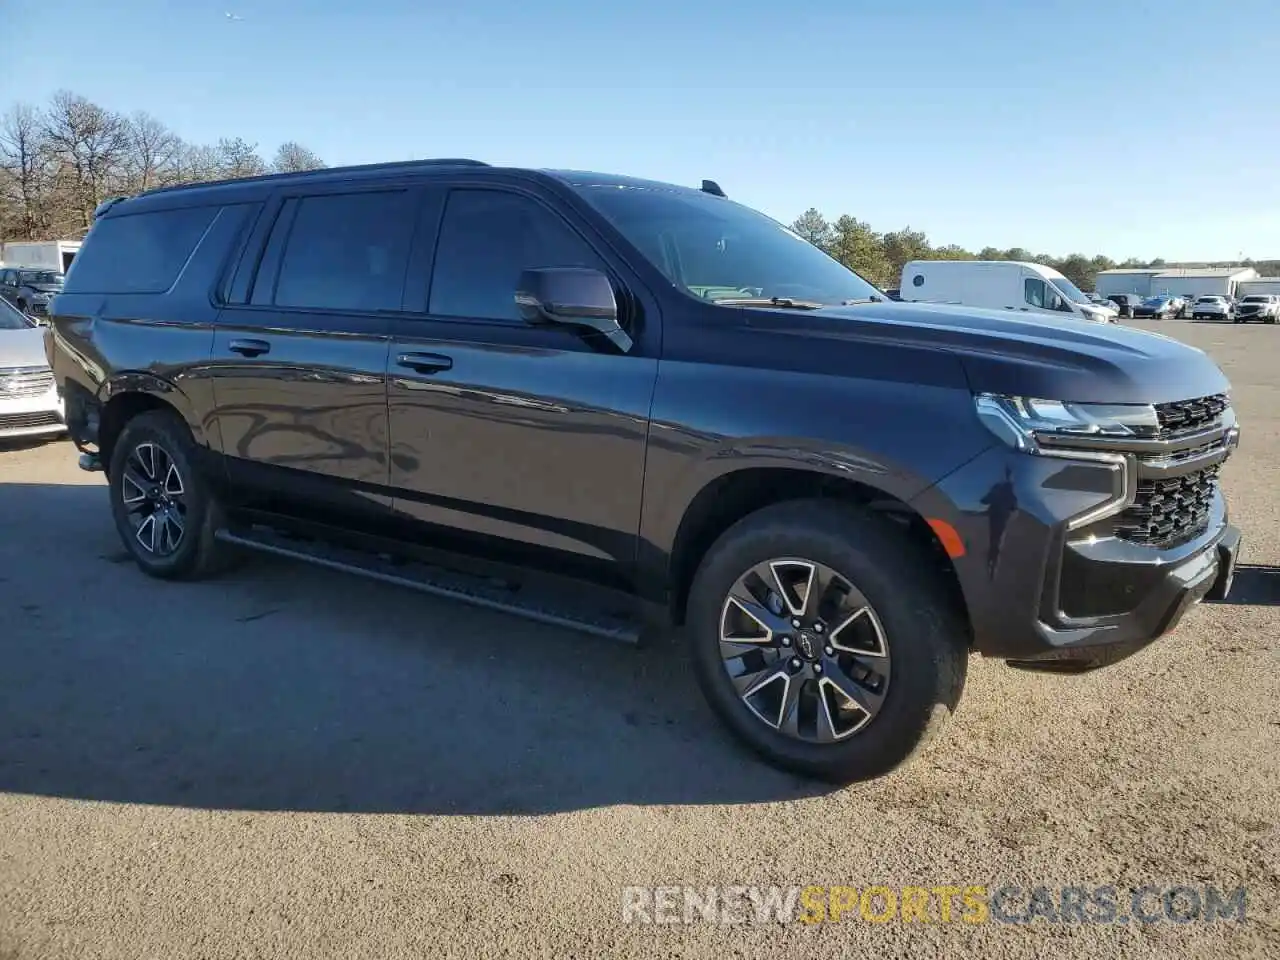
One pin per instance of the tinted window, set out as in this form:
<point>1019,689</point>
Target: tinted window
<point>487,238</point>
<point>138,253</point>
<point>346,252</point>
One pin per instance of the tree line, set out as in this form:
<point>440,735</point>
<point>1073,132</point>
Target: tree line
<point>60,160</point>
<point>880,257</point>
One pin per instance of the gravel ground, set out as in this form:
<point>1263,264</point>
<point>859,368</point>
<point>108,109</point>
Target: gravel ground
<point>289,762</point>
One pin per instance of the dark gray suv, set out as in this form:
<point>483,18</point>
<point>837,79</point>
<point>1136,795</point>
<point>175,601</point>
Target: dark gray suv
<point>623,406</point>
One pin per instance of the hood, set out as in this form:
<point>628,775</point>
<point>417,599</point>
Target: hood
<point>1032,355</point>
<point>45,287</point>
<point>23,348</point>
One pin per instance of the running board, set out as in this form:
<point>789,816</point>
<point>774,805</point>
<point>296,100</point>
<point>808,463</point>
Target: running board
<point>556,608</point>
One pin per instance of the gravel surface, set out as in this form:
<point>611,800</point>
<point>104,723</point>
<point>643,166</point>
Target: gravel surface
<point>291,762</point>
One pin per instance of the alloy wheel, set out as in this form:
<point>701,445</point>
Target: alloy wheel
<point>154,498</point>
<point>804,650</point>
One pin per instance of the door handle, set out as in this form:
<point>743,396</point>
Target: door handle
<point>425,362</point>
<point>249,348</point>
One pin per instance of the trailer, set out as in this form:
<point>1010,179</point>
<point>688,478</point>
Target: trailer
<point>55,255</point>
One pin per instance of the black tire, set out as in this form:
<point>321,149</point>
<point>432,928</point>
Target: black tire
<point>197,553</point>
<point>924,632</point>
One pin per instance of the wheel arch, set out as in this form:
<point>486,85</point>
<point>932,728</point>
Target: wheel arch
<point>126,395</point>
<point>732,496</point>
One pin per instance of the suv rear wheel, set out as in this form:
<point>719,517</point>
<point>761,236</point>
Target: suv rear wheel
<point>823,640</point>
<point>163,509</point>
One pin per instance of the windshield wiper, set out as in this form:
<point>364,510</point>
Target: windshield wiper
<point>857,300</point>
<point>786,303</point>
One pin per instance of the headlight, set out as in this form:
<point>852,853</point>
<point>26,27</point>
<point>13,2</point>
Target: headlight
<point>1023,422</point>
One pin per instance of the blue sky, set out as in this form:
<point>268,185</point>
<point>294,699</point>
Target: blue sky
<point>1129,128</point>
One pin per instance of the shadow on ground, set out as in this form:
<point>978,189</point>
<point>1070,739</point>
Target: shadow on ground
<point>1255,584</point>
<point>284,687</point>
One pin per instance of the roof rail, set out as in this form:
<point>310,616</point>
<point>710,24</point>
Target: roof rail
<point>351,168</point>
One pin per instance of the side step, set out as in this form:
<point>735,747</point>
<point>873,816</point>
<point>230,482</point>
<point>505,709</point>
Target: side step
<point>559,608</point>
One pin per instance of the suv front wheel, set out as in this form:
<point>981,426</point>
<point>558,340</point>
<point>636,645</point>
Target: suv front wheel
<point>164,510</point>
<point>823,639</point>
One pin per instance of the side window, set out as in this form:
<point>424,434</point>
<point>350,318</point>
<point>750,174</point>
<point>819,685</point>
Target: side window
<point>344,252</point>
<point>140,252</point>
<point>1034,291</point>
<point>487,237</point>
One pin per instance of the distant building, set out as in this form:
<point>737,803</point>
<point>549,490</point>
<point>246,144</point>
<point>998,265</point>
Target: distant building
<point>1178,281</point>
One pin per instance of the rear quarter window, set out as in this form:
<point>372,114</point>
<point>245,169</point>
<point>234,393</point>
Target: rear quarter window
<point>138,253</point>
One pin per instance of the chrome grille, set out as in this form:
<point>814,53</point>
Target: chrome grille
<point>24,381</point>
<point>1169,511</point>
<point>23,421</point>
<point>1181,416</point>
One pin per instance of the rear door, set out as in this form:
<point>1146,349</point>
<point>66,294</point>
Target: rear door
<point>503,431</point>
<point>300,351</point>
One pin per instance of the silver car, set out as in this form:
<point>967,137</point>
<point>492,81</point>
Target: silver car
<point>29,401</point>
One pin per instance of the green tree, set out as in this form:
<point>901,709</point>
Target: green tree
<point>1079,270</point>
<point>860,249</point>
<point>901,246</point>
<point>813,226</point>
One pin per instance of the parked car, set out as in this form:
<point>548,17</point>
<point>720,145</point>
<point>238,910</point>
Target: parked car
<point>1263,307</point>
<point>644,404</point>
<point>1126,302</point>
<point>1158,308</point>
<point>1213,308</point>
<point>29,401</point>
<point>30,290</point>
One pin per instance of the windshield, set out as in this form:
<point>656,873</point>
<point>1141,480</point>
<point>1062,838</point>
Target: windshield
<point>11,318</point>
<point>720,250</point>
<point>1209,300</point>
<point>1154,301</point>
<point>39,276</point>
<point>1069,290</point>
<point>1254,300</point>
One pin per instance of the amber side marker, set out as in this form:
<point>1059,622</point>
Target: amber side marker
<point>948,537</point>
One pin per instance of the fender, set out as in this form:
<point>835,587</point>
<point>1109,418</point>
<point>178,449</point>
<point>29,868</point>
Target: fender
<point>149,384</point>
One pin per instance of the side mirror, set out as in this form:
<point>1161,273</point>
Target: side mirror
<point>574,296</point>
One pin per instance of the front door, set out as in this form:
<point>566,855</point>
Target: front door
<point>533,436</point>
<point>299,367</point>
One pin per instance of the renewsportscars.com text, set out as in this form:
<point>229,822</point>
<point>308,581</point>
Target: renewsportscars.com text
<point>943,903</point>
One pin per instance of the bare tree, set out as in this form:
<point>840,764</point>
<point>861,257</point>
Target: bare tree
<point>240,159</point>
<point>89,143</point>
<point>24,160</point>
<point>293,157</point>
<point>153,154</point>
<point>197,163</point>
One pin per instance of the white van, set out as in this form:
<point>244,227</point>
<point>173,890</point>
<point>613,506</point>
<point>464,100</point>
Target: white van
<point>999,285</point>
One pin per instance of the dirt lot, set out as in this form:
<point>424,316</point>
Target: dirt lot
<point>292,762</point>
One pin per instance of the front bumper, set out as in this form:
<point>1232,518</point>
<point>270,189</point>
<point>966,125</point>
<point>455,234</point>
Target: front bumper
<point>1045,592</point>
<point>36,416</point>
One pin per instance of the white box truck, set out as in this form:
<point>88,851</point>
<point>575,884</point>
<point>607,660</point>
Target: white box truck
<point>55,255</point>
<point>1000,285</point>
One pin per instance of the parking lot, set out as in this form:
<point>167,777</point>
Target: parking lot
<point>289,761</point>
